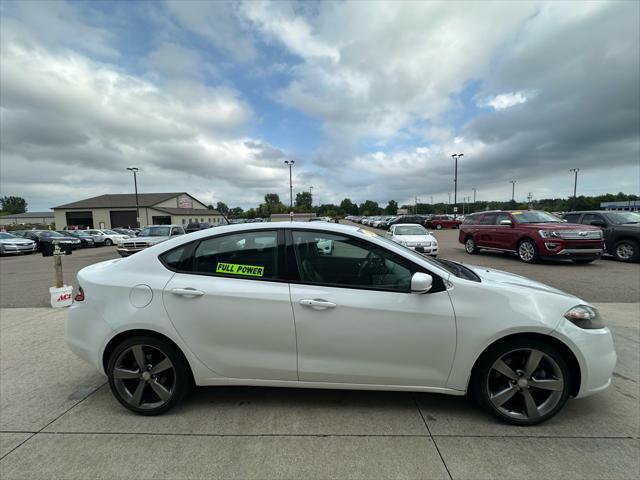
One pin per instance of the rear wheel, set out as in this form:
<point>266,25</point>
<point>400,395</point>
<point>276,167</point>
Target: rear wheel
<point>148,375</point>
<point>470,246</point>
<point>438,227</point>
<point>527,251</point>
<point>522,381</point>
<point>626,251</point>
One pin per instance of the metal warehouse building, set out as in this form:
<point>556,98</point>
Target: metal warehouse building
<point>27,218</point>
<point>119,210</point>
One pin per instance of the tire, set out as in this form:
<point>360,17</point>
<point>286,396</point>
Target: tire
<point>438,227</point>
<point>470,246</point>
<point>143,390</point>
<point>528,252</point>
<point>583,262</point>
<point>517,393</point>
<point>626,251</point>
<point>108,242</point>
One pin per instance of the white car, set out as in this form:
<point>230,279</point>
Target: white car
<point>258,304</point>
<point>415,237</point>
<point>110,237</point>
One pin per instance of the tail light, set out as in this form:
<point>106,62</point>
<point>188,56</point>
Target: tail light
<point>80,295</point>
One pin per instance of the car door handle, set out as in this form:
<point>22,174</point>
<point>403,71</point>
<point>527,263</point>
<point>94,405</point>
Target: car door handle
<point>187,292</point>
<point>318,304</point>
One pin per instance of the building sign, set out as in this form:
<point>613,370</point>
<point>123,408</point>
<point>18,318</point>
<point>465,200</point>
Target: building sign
<point>185,201</point>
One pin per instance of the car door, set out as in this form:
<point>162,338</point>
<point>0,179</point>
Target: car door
<point>486,228</point>
<point>358,323</point>
<point>229,304</point>
<point>504,236</point>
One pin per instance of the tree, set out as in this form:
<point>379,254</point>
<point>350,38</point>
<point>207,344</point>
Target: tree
<point>303,201</point>
<point>348,207</point>
<point>272,204</point>
<point>222,207</point>
<point>272,199</point>
<point>391,208</point>
<point>369,207</point>
<point>12,205</point>
<point>235,212</point>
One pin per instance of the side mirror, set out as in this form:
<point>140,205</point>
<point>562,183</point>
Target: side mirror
<point>421,282</point>
<point>505,222</point>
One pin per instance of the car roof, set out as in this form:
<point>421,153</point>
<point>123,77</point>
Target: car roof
<point>407,225</point>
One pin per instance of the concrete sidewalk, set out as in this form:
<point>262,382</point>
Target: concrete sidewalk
<point>59,420</point>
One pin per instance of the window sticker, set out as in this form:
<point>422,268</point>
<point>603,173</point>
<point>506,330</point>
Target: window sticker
<point>237,269</point>
<point>368,233</point>
<point>516,213</point>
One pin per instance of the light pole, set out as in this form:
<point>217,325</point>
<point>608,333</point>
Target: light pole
<point>135,186</point>
<point>455,156</point>
<point>311,195</point>
<point>474,195</point>
<point>513,189</point>
<point>575,180</point>
<point>290,163</point>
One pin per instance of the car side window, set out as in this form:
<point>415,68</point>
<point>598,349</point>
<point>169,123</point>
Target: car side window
<point>177,231</point>
<point>572,217</point>
<point>591,217</point>
<point>340,261</point>
<point>252,255</point>
<point>501,216</point>
<point>488,219</point>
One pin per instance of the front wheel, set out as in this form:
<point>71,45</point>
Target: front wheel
<point>148,375</point>
<point>527,251</point>
<point>438,227</point>
<point>522,381</point>
<point>626,251</point>
<point>108,242</point>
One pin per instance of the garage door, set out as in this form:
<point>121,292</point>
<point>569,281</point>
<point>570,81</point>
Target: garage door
<point>123,218</point>
<point>78,219</point>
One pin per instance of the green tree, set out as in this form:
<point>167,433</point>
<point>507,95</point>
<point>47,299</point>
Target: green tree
<point>303,201</point>
<point>12,205</point>
<point>222,207</point>
<point>369,207</point>
<point>391,208</point>
<point>348,207</point>
<point>272,204</point>
<point>236,212</point>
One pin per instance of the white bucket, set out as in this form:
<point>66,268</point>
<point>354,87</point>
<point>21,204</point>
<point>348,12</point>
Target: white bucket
<point>61,297</point>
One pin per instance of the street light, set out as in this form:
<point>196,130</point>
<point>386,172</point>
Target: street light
<point>135,186</point>
<point>290,163</point>
<point>311,194</point>
<point>474,195</point>
<point>513,189</point>
<point>575,180</point>
<point>455,156</point>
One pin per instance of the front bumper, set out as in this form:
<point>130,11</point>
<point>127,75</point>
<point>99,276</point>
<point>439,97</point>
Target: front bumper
<point>433,250</point>
<point>18,249</point>
<point>552,248</point>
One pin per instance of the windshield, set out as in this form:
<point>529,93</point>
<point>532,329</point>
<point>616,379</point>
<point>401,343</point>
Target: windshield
<point>410,230</point>
<point>6,235</point>
<point>110,232</point>
<point>534,216</point>
<point>155,232</point>
<point>49,234</point>
<point>619,218</point>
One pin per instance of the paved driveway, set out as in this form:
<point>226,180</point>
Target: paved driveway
<point>58,420</point>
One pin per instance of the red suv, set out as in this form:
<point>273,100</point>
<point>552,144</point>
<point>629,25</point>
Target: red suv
<point>442,221</point>
<point>532,235</point>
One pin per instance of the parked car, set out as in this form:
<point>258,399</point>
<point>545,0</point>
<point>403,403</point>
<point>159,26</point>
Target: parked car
<point>194,227</point>
<point>86,240</point>
<point>417,219</point>
<point>442,221</point>
<point>222,306</point>
<point>49,236</point>
<point>111,237</point>
<point>532,235</point>
<point>149,236</point>
<point>621,231</point>
<point>415,237</point>
<point>13,245</point>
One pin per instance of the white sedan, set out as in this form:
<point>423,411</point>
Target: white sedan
<point>415,237</point>
<point>111,237</point>
<point>260,304</point>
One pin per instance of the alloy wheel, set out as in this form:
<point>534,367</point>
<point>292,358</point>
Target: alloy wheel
<point>526,251</point>
<point>144,377</point>
<point>624,251</point>
<point>525,384</point>
<point>470,245</point>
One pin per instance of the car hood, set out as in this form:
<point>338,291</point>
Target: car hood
<point>414,238</point>
<point>16,241</point>
<point>561,226</point>
<point>149,239</point>
<point>513,280</point>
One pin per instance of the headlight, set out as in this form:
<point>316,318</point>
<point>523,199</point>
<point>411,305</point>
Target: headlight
<point>585,317</point>
<point>548,234</point>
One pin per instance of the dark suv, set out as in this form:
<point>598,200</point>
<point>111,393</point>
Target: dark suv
<point>532,235</point>
<point>621,231</point>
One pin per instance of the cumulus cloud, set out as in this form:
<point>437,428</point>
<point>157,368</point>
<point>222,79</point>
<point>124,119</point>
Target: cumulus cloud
<point>505,100</point>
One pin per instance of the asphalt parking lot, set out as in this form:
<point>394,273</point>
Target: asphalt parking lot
<point>59,420</point>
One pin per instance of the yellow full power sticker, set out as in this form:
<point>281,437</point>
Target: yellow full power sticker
<point>237,269</point>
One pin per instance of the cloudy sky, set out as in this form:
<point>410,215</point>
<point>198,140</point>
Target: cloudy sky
<point>369,98</point>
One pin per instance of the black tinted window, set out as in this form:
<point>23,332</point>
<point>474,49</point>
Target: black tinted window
<point>342,261</point>
<point>242,255</point>
<point>572,217</point>
<point>488,219</point>
<point>178,258</point>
